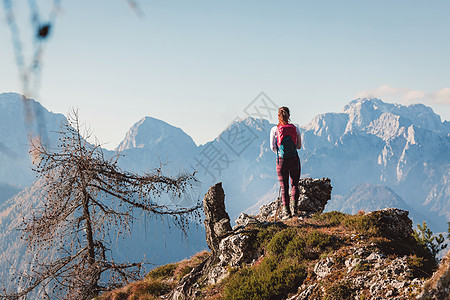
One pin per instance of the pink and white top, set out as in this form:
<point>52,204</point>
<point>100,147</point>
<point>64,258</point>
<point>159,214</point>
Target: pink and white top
<point>274,134</point>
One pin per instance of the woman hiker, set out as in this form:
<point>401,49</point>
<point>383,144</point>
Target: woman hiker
<point>284,141</point>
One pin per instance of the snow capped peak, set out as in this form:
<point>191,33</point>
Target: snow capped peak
<point>363,111</point>
<point>151,132</point>
<point>356,104</point>
<point>247,124</point>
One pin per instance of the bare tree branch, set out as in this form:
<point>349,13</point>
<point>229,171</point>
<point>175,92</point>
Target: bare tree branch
<point>86,196</point>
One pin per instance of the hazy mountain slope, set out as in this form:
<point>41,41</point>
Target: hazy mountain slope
<point>7,191</point>
<point>367,197</point>
<point>20,119</point>
<point>240,158</point>
<point>12,248</point>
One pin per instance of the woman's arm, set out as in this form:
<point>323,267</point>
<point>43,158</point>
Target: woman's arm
<point>273,139</point>
<point>299,138</point>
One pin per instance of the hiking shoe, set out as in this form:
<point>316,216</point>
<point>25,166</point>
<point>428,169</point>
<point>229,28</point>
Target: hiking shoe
<point>286,214</point>
<point>285,217</point>
<point>295,211</point>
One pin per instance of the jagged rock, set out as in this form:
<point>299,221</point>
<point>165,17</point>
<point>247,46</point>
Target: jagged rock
<point>269,211</point>
<point>314,194</point>
<point>233,251</point>
<point>216,274</point>
<point>375,256</point>
<point>351,263</point>
<point>393,222</point>
<point>228,248</point>
<point>244,220</point>
<point>323,267</point>
<point>217,221</point>
<point>307,292</point>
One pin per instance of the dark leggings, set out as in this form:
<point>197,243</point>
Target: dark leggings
<point>288,167</point>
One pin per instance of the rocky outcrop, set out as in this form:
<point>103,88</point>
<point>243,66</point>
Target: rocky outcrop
<point>234,251</point>
<point>228,247</point>
<point>314,195</point>
<point>369,275</point>
<point>359,268</point>
<point>393,222</point>
<point>217,221</point>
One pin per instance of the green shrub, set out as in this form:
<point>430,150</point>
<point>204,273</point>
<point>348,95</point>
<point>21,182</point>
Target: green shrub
<point>364,224</point>
<point>261,236</point>
<point>332,218</point>
<point>270,280</point>
<point>318,241</point>
<point>417,265</point>
<point>302,244</point>
<point>281,271</point>
<point>280,240</point>
<point>424,236</point>
<point>266,234</point>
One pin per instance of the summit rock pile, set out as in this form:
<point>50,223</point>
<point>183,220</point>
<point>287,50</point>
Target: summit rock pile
<point>363,263</point>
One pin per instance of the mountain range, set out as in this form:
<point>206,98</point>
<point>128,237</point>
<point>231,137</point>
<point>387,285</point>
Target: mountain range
<point>372,142</point>
<point>376,154</point>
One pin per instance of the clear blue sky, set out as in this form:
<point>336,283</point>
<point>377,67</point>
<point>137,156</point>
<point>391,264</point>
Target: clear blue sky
<point>198,64</point>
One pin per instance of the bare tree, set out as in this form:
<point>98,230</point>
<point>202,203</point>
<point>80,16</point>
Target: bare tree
<point>87,200</point>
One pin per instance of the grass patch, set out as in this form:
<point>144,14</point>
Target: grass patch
<point>293,242</point>
<point>144,289</point>
<point>270,280</point>
<point>332,218</point>
<point>162,272</point>
<point>185,266</point>
<point>157,282</point>
<point>152,288</point>
<point>363,224</point>
<point>283,269</point>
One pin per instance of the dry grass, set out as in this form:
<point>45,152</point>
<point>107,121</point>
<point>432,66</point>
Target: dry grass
<point>159,281</point>
<point>185,266</point>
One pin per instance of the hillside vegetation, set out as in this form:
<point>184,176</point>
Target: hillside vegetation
<point>327,256</point>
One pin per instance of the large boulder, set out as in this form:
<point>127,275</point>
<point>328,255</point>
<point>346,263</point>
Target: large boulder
<point>314,194</point>
<point>393,222</point>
